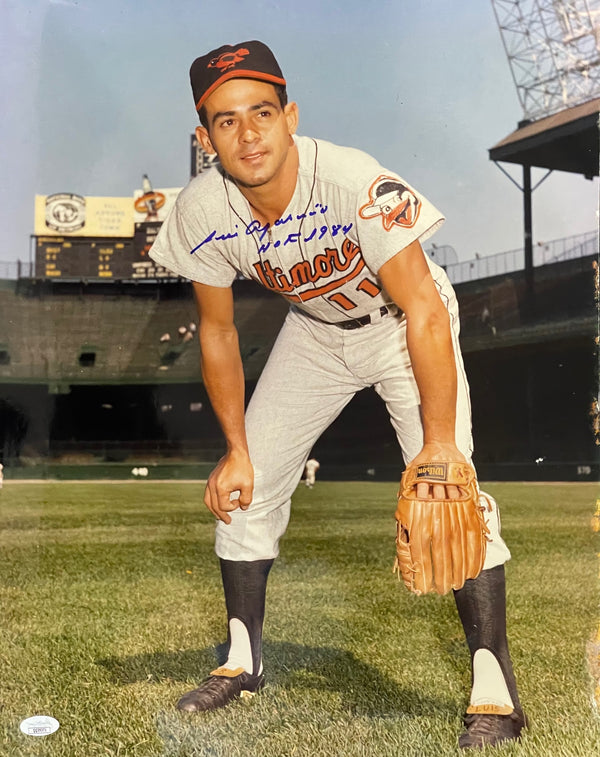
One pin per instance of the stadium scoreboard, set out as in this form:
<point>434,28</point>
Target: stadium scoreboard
<point>106,238</point>
<point>99,258</point>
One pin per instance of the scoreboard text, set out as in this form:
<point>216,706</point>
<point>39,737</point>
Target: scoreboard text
<point>99,258</point>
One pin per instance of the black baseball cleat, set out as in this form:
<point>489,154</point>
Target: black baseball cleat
<point>485,729</point>
<point>220,688</point>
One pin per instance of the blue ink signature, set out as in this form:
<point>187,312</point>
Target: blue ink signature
<point>255,227</point>
<point>317,234</point>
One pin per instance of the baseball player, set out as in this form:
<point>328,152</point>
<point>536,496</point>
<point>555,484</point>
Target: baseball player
<point>310,472</point>
<point>339,236</point>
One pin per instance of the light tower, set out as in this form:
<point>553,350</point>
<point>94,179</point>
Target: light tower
<point>553,48</point>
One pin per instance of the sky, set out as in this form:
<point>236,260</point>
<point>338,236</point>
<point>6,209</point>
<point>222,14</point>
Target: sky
<point>95,93</point>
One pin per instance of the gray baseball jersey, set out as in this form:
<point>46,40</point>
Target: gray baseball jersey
<point>347,217</point>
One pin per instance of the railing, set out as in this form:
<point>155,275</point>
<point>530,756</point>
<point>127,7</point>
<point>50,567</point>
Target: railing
<point>566,248</point>
<point>16,269</point>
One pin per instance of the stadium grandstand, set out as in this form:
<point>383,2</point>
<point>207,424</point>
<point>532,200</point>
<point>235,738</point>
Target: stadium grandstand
<point>101,377</point>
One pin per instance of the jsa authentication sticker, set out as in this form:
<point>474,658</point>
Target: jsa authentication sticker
<point>39,725</point>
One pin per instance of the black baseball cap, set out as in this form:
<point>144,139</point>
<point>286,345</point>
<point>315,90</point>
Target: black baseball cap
<point>247,60</point>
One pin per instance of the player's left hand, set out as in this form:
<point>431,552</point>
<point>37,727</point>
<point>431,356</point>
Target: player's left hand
<point>438,452</point>
<point>441,541</point>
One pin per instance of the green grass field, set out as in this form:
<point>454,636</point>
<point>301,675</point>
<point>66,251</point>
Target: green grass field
<point>112,608</point>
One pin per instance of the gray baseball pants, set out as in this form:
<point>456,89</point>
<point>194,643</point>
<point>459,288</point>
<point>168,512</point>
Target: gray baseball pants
<point>313,371</point>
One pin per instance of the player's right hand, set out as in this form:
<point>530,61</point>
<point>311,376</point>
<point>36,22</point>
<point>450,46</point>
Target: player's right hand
<point>230,485</point>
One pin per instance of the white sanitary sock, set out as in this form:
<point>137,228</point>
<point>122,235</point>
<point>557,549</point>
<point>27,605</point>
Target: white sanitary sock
<point>240,651</point>
<point>489,686</point>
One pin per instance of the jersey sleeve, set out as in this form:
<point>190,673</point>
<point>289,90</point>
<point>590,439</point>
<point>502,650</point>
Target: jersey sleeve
<point>185,247</point>
<point>390,215</point>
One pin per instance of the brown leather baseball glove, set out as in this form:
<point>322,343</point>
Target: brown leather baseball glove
<point>440,543</point>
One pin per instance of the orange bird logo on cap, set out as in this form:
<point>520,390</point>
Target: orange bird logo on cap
<point>225,61</point>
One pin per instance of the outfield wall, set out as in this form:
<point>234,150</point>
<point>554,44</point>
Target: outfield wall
<point>367,470</point>
<point>532,366</point>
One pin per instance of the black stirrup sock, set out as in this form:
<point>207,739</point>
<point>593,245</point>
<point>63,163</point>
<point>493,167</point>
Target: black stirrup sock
<point>245,586</point>
<point>481,605</point>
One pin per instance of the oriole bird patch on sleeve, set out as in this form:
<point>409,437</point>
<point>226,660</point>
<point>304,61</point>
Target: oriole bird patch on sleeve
<point>393,201</point>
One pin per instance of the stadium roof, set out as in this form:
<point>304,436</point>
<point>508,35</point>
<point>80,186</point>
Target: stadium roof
<point>565,141</point>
